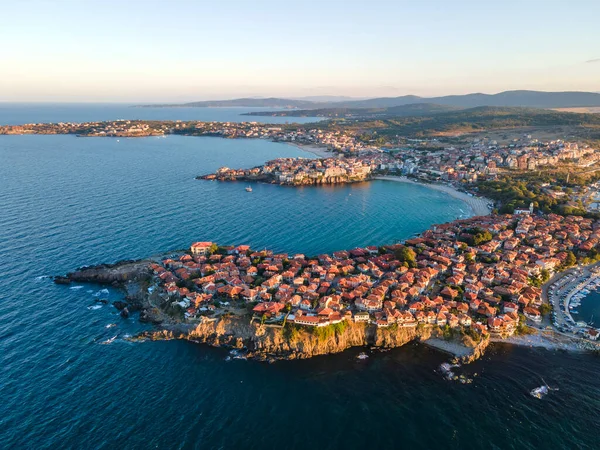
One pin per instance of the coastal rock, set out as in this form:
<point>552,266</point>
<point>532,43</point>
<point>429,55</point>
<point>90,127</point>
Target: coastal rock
<point>135,302</point>
<point>151,315</point>
<point>478,351</point>
<point>115,274</point>
<point>62,280</point>
<point>119,305</point>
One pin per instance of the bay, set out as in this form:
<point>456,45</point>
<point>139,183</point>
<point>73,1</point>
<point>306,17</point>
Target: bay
<point>67,201</point>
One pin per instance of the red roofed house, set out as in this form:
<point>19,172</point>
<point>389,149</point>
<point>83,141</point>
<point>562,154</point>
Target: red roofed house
<point>200,248</point>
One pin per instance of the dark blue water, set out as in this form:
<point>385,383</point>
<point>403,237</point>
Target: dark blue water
<point>67,201</point>
<point>20,113</point>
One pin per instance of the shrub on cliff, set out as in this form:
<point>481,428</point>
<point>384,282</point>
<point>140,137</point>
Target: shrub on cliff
<point>447,333</point>
<point>291,332</point>
<point>470,336</point>
<point>329,331</point>
<point>339,328</point>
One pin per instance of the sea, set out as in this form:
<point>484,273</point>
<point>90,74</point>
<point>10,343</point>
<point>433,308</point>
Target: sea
<point>22,113</point>
<point>69,379</point>
<point>589,309</point>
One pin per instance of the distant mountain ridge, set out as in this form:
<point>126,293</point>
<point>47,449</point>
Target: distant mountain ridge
<point>525,99</point>
<point>412,109</point>
<point>245,102</point>
<point>521,98</point>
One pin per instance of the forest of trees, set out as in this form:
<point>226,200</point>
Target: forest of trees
<point>467,120</point>
<point>519,189</point>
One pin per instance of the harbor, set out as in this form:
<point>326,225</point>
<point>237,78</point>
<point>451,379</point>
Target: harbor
<point>566,294</point>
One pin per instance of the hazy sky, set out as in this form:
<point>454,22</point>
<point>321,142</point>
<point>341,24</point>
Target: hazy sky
<point>152,51</point>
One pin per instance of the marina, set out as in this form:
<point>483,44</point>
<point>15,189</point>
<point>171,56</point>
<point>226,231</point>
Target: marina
<point>568,294</point>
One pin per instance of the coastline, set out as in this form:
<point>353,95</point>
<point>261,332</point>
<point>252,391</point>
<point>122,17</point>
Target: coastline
<point>228,326</point>
<point>479,205</point>
<point>548,340</point>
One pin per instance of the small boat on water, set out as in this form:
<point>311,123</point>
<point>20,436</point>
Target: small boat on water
<point>541,391</point>
<point>362,355</point>
<point>248,189</point>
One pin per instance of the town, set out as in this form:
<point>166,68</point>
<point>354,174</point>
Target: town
<point>302,171</point>
<point>480,158</point>
<point>477,277</point>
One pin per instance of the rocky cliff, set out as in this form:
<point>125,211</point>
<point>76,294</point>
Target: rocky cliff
<point>477,352</point>
<point>271,342</point>
<point>118,273</point>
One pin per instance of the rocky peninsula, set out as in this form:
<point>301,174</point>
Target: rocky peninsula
<point>301,171</point>
<point>457,286</point>
<point>238,328</point>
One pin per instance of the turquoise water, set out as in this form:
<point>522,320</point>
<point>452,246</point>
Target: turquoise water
<point>67,201</point>
<point>20,113</point>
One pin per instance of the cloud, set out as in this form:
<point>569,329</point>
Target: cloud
<point>597,60</point>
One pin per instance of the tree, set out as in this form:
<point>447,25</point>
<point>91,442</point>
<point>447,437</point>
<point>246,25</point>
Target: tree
<point>482,237</point>
<point>571,260</point>
<point>478,236</point>
<point>545,275</point>
<point>406,255</point>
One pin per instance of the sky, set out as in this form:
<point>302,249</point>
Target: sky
<point>175,51</point>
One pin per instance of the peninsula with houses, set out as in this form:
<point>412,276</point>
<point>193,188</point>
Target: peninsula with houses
<point>466,282</point>
<point>301,171</point>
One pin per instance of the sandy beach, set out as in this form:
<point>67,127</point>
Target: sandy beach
<point>319,152</point>
<point>479,205</point>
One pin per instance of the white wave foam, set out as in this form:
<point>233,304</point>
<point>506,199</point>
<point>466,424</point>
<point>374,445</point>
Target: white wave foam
<point>109,341</point>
